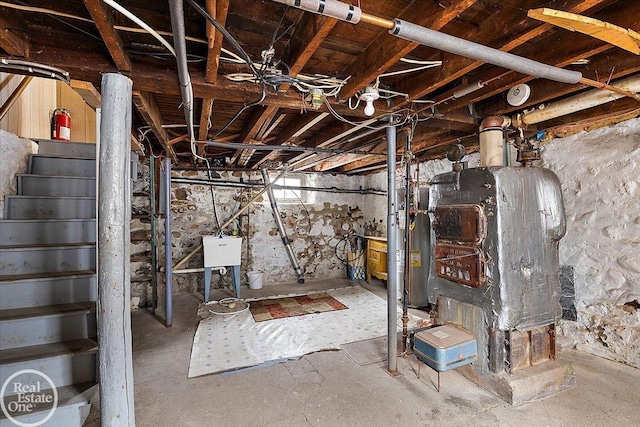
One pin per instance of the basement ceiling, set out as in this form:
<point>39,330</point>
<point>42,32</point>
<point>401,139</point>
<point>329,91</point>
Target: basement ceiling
<point>415,82</point>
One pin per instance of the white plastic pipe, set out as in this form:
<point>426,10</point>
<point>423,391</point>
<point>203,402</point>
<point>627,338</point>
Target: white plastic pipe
<point>578,102</point>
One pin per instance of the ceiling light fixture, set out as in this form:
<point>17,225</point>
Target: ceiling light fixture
<point>369,95</point>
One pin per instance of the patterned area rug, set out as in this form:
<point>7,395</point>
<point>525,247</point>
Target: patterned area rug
<point>280,308</point>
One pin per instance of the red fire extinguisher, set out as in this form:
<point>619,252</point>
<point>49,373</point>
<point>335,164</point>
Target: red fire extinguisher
<point>61,125</point>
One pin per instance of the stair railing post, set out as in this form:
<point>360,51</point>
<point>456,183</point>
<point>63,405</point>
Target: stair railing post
<point>114,281</point>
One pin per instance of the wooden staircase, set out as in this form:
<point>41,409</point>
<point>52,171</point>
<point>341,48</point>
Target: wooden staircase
<point>48,284</point>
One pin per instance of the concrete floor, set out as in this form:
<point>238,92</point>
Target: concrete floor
<point>330,389</point>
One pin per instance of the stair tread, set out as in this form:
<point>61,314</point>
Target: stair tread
<point>48,245</point>
<point>62,156</point>
<point>47,275</point>
<point>68,395</point>
<point>20,196</point>
<point>47,310</point>
<point>42,351</point>
<point>55,176</point>
<point>52,220</point>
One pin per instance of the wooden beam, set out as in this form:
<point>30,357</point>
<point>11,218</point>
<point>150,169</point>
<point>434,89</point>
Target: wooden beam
<point>610,64</point>
<point>103,20</point>
<point>88,92</point>
<point>591,124</point>
<point>148,109</point>
<point>218,9</point>
<point>6,106</point>
<point>305,40</point>
<point>490,33</point>
<point>621,37</point>
<point>257,120</point>
<point>559,52</point>
<point>12,42</point>
<point>386,50</point>
<point>148,78</point>
<point>293,130</point>
<point>205,118</point>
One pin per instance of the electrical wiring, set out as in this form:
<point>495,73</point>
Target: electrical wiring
<point>142,24</point>
<point>225,33</point>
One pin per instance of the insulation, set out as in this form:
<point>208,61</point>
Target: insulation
<point>333,8</point>
<point>455,45</point>
<point>525,220</point>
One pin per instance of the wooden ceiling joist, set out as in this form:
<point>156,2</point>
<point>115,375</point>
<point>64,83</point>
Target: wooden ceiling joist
<point>543,91</point>
<point>103,20</point>
<point>148,109</point>
<point>258,119</point>
<point>386,50</point>
<point>294,129</point>
<point>558,52</point>
<point>305,40</point>
<point>218,9</point>
<point>205,118</point>
<point>11,41</point>
<point>490,33</point>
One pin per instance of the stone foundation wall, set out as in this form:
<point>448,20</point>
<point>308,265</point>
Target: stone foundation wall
<point>599,173</point>
<point>15,151</point>
<point>314,229</point>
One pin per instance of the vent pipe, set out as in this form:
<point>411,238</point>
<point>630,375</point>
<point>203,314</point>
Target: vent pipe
<point>492,146</point>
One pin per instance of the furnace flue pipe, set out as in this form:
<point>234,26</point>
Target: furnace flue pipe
<point>114,279</point>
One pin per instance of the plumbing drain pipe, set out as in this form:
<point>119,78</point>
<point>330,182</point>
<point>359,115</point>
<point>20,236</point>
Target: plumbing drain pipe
<point>493,150</point>
<point>575,103</point>
<point>281,230</point>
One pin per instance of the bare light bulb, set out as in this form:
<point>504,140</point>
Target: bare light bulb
<point>368,95</point>
<point>369,109</point>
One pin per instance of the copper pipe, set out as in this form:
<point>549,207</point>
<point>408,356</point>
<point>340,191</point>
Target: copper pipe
<point>377,21</point>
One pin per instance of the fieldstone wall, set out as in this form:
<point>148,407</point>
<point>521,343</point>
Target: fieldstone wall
<point>600,176</point>
<point>15,151</point>
<point>314,229</point>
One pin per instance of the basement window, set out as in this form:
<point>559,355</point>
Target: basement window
<point>290,195</point>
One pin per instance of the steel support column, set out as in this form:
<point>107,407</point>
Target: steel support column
<point>392,252</point>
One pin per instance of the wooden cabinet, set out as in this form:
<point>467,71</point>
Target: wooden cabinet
<point>376,257</point>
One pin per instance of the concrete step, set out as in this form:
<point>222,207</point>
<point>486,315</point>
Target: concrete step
<point>26,327</point>
<point>39,207</point>
<point>47,231</point>
<point>31,259</point>
<point>66,149</point>
<point>65,363</point>
<point>24,290</point>
<point>56,186</point>
<point>72,410</point>
<point>42,164</point>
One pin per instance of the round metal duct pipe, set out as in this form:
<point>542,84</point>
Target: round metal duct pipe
<point>492,146</point>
